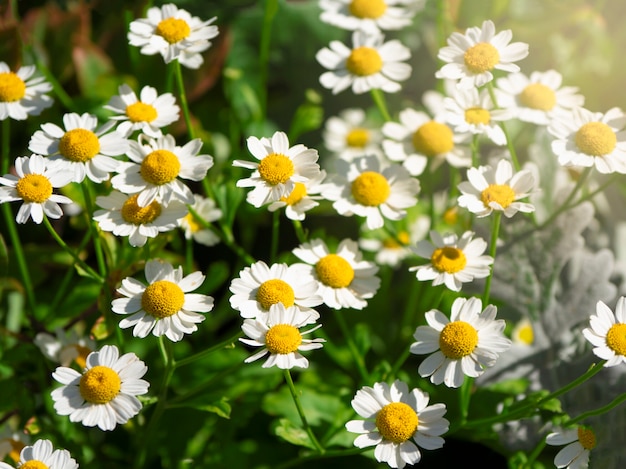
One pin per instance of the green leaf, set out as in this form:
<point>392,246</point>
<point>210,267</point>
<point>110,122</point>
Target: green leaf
<point>285,429</point>
<point>220,407</point>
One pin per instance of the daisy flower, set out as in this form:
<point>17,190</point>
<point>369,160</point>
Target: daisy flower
<point>538,98</point>
<point>350,135</point>
<point>280,337</point>
<point>579,442</point>
<point>33,185</point>
<point>344,279</point>
<point>147,114</point>
<point>122,215</point>
<point>43,455</point>
<point>301,199</point>
<point>65,347</point>
<point>260,286</point>
<point>104,393</point>
<point>80,149</point>
<point>370,64</point>
<point>362,188</point>
<point>21,95</point>
<point>587,139</point>
<point>158,163</point>
<point>206,209</point>
<point>12,443</point>
<point>279,168</point>
<point>370,16</point>
<point>471,57</point>
<point>164,306</point>
<point>173,33</point>
<point>487,190</point>
<point>453,261</point>
<point>398,422</point>
<point>607,331</point>
<point>463,346</point>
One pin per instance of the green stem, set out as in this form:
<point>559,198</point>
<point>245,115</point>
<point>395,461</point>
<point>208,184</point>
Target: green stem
<point>93,228</point>
<point>599,411</point>
<point>183,98</point>
<point>271,7</point>
<point>379,100</point>
<point>188,255</point>
<point>509,142</point>
<point>358,359</point>
<point>535,453</point>
<point>305,424</point>
<point>300,233</point>
<point>495,229</point>
<point>6,146</point>
<point>275,235</point>
<point>474,148</point>
<point>198,356</point>
<point>465,394</point>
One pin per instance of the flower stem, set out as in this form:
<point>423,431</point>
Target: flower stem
<point>305,424</point>
<point>379,100</point>
<point>465,394</point>
<point>599,411</point>
<point>6,146</point>
<point>275,235</point>
<point>183,98</point>
<point>192,358</point>
<point>509,142</point>
<point>495,230</point>
<point>95,235</point>
<point>300,233</point>
<point>358,359</point>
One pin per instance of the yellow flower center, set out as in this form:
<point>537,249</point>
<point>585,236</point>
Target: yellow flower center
<point>34,188</point>
<point>296,195</point>
<point>451,215</point>
<point>499,193</point>
<point>194,225</point>
<point>283,339</point>
<point>99,385</point>
<point>275,291</point>
<point>596,139</point>
<point>276,168</point>
<point>458,339</point>
<point>133,213</point>
<point>432,139</point>
<point>162,299</point>
<point>79,145</point>
<point>371,9</point>
<point>538,96</point>
<point>81,359</point>
<point>12,87</point>
<point>160,167</point>
<point>16,448</point>
<point>401,240</point>
<point>524,333</point>
<point>334,271</point>
<point>616,338</point>
<point>33,464</point>
<point>477,115</point>
<point>364,61</point>
<point>586,438</point>
<point>173,30</point>
<point>448,259</point>
<point>481,57</point>
<point>397,422</point>
<point>141,112</point>
<point>358,138</point>
<point>370,188</point>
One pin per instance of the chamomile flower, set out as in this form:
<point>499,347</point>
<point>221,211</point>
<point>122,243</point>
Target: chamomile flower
<point>398,422</point>
<point>370,16</point>
<point>12,443</point>
<point>33,185</point>
<point>607,333</point>
<point>104,394</point>
<point>464,345</point>
<point>122,215</point>
<point>165,306</point>
<point>362,188</point>
<point>370,64</point>
<point>173,33</point>
<point>65,347</point>
<point>350,135</point>
<point>579,442</point>
<point>344,279</point>
<point>471,57</point>
<point>301,199</point>
<point>260,286</point>
<point>81,149</point>
<point>591,139</point>
<point>147,114</point>
<point>157,166</point>
<point>279,168</point>
<point>43,455</point>
<point>21,95</point>
<point>206,209</point>
<point>453,260</point>
<point>487,190</point>
<point>279,335</point>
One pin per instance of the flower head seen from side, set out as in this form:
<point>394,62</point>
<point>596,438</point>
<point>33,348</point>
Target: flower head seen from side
<point>157,167</point>
<point>165,306</point>
<point>487,190</point>
<point>453,260</point>
<point>350,135</point>
<point>21,94</point>
<point>471,58</point>
<point>398,422</point>
<point>279,335</point>
<point>148,113</point>
<point>301,199</point>
<point>33,185</point>
<point>344,279</point>
<point>12,442</point>
<point>81,148</point>
<point>371,16</point>
<point>370,64</point>
<point>65,347</point>
<point>578,443</point>
<point>42,455</point>
<point>607,333</point>
<point>278,170</point>
<point>173,33</point>
<point>195,230</point>
<point>104,394</point>
<point>465,345</point>
<point>591,139</point>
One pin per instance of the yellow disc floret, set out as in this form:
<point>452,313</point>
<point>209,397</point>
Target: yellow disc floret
<point>433,138</point>
<point>357,138</point>
<point>458,339</point>
<point>334,271</point>
<point>502,194</point>
<point>16,448</point>
<point>34,188</point>
<point>162,299</point>
<point>538,96</point>
<point>370,9</point>
<point>33,464</point>
<point>160,167</point>
<point>448,259</point>
<point>173,30</point>
<point>616,338</point>
<point>275,291</point>
<point>99,385</point>
<point>397,422</point>
<point>12,87</point>
<point>81,357</point>
<point>596,139</point>
<point>133,213</point>
<point>481,57</point>
<point>283,339</point>
<point>586,438</point>
<point>477,115</point>
<point>193,224</point>
<point>276,168</point>
<point>141,112</point>
<point>296,195</point>
<point>79,145</point>
<point>364,61</point>
<point>370,188</point>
